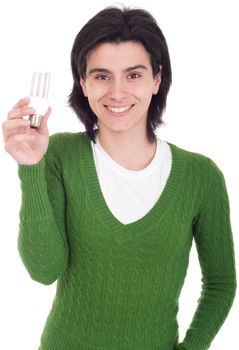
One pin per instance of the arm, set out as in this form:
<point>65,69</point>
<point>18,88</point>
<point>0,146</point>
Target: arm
<point>42,241</point>
<point>214,243</point>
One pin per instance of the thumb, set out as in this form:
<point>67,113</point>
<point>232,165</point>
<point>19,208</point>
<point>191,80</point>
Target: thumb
<point>43,128</point>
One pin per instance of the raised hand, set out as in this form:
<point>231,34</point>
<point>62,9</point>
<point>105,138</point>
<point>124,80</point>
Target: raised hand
<point>26,145</point>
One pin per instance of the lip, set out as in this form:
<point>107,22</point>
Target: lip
<point>119,114</point>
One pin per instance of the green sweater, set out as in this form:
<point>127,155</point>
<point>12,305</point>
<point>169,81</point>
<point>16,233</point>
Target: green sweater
<point>118,285</point>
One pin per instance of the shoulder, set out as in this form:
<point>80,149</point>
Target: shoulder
<point>63,141</point>
<point>200,164</point>
<point>60,138</point>
<point>202,174</point>
<point>65,145</point>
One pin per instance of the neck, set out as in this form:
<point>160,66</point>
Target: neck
<point>133,152</point>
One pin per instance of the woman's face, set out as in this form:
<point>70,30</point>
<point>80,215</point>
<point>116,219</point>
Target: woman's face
<point>119,85</point>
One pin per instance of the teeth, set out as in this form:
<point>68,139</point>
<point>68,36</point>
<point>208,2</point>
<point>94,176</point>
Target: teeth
<point>119,110</point>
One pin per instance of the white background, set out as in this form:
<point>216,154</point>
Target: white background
<point>201,116</point>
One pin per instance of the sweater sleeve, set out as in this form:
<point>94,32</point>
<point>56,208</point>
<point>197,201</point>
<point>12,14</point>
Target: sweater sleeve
<point>214,243</point>
<point>42,241</point>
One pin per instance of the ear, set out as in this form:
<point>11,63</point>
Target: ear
<point>83,85</point>
<point>157,81</point>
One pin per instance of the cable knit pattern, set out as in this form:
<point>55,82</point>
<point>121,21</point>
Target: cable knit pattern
<point>118,285</point>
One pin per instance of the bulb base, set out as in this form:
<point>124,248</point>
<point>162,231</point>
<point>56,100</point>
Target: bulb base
<point>35,120</point>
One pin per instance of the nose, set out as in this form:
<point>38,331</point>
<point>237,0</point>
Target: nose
<point>117,90</point>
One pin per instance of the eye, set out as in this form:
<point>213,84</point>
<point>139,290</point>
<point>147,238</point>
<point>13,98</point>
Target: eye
<point>134,75</point>
<point>101,77</point>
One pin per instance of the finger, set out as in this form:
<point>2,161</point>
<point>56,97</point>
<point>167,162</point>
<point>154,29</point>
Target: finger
<point>20,112</point>
<point>13,124</point>
<point>15,139</point>
<point>22,102</point>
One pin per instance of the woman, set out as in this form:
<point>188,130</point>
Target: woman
<point>110,213</point>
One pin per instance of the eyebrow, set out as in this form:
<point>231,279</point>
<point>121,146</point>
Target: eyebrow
<point>104,70</point>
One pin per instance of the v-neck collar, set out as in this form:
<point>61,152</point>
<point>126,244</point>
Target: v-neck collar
<point>124,232</point>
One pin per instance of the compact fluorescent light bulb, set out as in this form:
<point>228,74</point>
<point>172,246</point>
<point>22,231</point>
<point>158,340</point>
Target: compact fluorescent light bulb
<point>39,97</point>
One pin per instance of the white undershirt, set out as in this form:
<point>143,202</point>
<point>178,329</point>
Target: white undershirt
<point>130,194</point>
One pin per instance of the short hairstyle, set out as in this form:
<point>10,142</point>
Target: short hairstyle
<point>115,25</point>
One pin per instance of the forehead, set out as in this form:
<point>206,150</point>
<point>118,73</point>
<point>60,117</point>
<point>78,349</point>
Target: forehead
<point>118,55</point>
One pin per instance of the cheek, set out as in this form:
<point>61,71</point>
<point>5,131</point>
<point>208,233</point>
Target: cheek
<point>95,101</point>
<point>96,93</point>
<point>144,95</point>
<point>144,90</point>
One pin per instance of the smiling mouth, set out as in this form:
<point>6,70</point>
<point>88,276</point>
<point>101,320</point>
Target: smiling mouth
<point>121,109</point>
